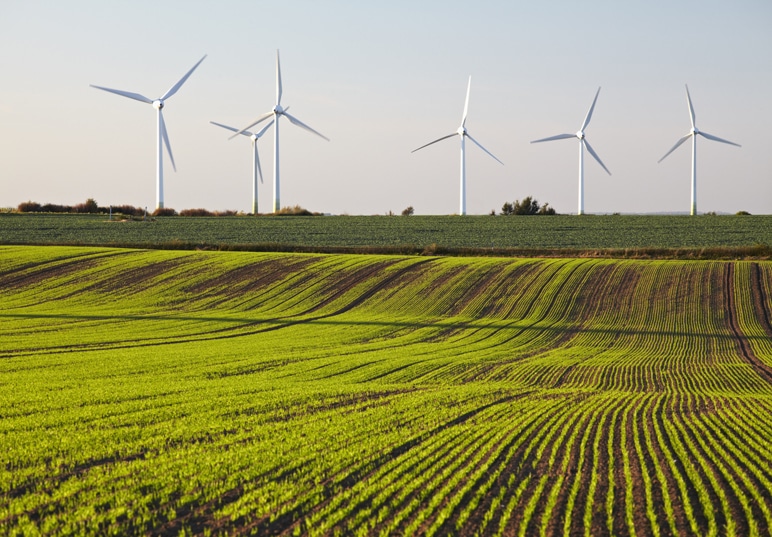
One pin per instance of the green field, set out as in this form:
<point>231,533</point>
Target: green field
<point>402,234</point>
<point>272,393</point>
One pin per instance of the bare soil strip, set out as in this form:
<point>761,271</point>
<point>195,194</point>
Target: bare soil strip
<point>744,347</point>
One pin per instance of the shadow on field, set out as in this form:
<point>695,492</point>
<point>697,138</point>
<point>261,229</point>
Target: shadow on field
<point>269,324</point>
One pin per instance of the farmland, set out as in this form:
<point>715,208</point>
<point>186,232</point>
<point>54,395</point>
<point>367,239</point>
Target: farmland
<point>400,234</point>
<point>251,393</point>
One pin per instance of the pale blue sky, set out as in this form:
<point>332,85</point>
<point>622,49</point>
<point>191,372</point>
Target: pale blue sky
<point>380,79</point>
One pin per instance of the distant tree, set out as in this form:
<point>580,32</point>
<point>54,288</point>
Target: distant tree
<point>546,209</point>
<point>28,207</point>
<point>409,211</point>
<point>297,210</point>
<point>195,212</point>
<point>528,206</point>
<point>165,211</point>
<point>743,213</point>
<point>55,208</point>
<point>90,207</point>
<point>128,210</point>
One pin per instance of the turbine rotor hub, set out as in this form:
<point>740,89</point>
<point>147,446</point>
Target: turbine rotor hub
<point>158,104</point>
<point>461,131</point>
<point>580,135</point>
<point>278,109</point>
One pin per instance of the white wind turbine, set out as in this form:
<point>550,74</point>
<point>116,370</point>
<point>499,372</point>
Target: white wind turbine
<point>463,134</point>
<point>582,144</point>
<point>256,170</point>
<point>693,135</point>
<point>277,112</point>
<point>162,136</point>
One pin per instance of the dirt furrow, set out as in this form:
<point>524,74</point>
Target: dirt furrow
<point>744,347</point>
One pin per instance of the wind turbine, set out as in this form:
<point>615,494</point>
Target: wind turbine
<point>693,135</point>
<point>462,132</point>
<point>162,136</point>
<point>256,171</point>
<point>582,144</point>
<point>277,112</point>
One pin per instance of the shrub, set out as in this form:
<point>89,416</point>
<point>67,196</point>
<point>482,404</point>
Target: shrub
<point>55,208</point>
<point>90,207</point>
<point>164,211</point>
<point>546,209</point>
<point>297,210</point>
<point>128,210</point>
<point>528,206</point>
<point>195,212</point>
<point>28,207</point>
<point>409,211</point>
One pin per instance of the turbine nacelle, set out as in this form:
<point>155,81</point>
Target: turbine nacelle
<point>580,135</point>
<point>158,104</point>
<point>694,131</point>
<point>461,131</point>
<point>278,110</point>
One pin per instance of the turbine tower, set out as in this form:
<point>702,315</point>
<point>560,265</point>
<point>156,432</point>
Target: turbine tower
<point>256,171</point>
<point>463,134</point>
<point>162,136</point>
<point>693,135</point>
<point>277,112</point>
<point>582,144</point>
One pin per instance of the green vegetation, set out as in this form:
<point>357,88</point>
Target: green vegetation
<point>254,393</point>
<point>528,207</point>
<point>619,236</point>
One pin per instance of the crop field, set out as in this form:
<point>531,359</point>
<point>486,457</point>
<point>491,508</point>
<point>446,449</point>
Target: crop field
<point>404,234</point>
<point>195,392</point>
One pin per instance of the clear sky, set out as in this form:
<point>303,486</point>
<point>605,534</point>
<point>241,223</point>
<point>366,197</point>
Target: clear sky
<point>380,79</point>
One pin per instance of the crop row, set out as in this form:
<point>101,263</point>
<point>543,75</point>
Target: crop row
<point>414,233</point>
<point>169,392</point>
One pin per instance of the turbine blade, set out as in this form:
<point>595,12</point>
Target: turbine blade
<point>296,121</point>
<point>262,131</point>
<point>557,137</point>
<point>278,78</point>
<point>435,141</point>
<point>481,147</point>
<point>182,80</point>
<point>717,139</point>
<point>232,129</point>
<point>165,138</point>
<point>595,155</point>
<point>257,161</point>
<point>589,112</point>
<point>130,95</point>
<point>466,103</point>
<point>679,142</point>
<point>691,108</point>
<point>255,122</point>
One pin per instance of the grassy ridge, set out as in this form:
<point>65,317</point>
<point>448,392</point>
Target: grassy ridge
<point>267,393</point>
<point>652,236</point>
